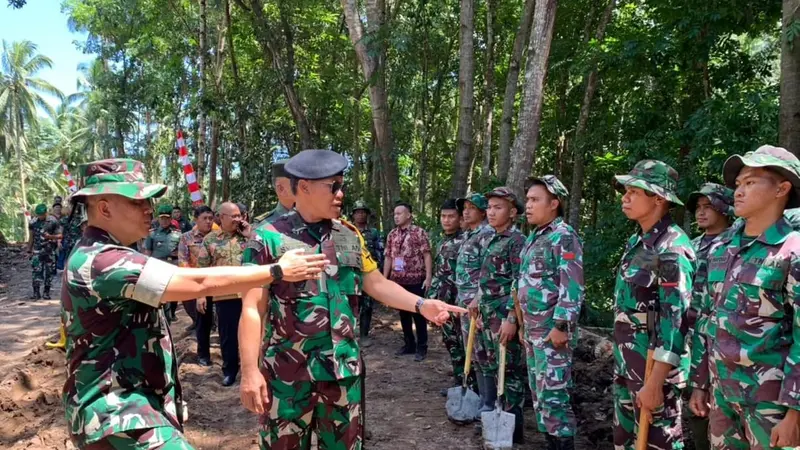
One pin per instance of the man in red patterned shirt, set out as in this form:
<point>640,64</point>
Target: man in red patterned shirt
<point>408,262</point>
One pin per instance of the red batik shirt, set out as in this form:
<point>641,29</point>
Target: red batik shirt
<point>405,251</point>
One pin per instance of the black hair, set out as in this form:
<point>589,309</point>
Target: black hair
<point>200,210</point>
<point>293,183</point>
<point>177,207</point>
<point>406,205</point>
<point>531,182</point>
<point>450,203</point>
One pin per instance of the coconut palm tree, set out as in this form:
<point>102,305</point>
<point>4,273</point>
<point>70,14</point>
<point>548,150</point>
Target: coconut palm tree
<point>20,96</point>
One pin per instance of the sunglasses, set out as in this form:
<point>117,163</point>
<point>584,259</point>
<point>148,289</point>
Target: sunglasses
<point>336,186</point>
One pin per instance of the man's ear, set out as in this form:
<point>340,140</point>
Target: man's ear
<point>784,188</point>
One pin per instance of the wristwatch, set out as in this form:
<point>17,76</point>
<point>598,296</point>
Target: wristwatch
<point>276,272</point>
<point>512,319</point>
<point>563,326</point>
<point>418,305</point>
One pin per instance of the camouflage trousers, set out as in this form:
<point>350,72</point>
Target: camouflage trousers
<point>550,378</point>
<point>364,314</point>
<point>329,409</point>
<point>488,360</point>
<point>454,343</point>
<point>665,432</point>
<point>735,426</point>
<point>159,438</point>
<point>44,268</point>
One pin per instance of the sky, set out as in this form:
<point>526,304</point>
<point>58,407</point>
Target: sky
<point>43,23</point>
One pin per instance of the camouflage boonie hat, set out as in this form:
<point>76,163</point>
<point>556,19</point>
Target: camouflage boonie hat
<point>165,210</point>
<point>552,184</point>
<point>476,199</point>
<point>721,198</point>
<point>123,177</point>
<point>361,205</point>
<point>652,176</point>
<point>508,194</point>
<point>40,209</point>
<point>775,158</point>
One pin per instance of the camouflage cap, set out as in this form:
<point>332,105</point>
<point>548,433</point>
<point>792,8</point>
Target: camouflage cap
<point>721,198</point>
<point>652,176</point>
<point>508,194</point>
<point>165,210</point>
<point>476,199</point>
<point>361,205</point>
<point>775,158</point>
<point>40,209</point>
<point>552,184</point>
<point>123,177</point>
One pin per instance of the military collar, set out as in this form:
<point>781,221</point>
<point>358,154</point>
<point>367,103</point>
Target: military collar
<point>651,237</point>
<point>550,226</point>
<point>317,230</point>
<point>99,235</point>
<point>774,235</point>
<point>455,235</point>
<point>506,233</point>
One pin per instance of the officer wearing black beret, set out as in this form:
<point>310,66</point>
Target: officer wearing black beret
<point>312,353</point>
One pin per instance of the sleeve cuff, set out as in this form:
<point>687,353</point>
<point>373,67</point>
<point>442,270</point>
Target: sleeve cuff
<point>565,315</point>
<point>153,281</point>
<point>664,356</point>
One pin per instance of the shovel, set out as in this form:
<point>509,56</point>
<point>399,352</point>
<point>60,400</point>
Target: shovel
<point>498,425</point>
<point>462,403</point>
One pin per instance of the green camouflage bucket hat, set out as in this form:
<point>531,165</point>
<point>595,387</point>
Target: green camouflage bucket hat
<point>165,210</point>
<point>123,177</point>
<point>508,194</point>
<point>721,198</point>
<point>361,205</point>
<point>552,184</point>
<point>769,157</point>
<point>40,209</point>
<point>652,176</point>
<point>476,199</point>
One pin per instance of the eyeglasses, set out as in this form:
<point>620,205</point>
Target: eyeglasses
<point>232,216</point>
<point>336,186</point>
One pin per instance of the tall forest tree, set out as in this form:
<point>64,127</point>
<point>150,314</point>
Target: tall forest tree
<point>790,77</point>
<point>466,94</point>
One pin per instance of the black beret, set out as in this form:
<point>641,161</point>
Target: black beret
<point>278,170</point>
<point>450,203</point>
<point>316,164</point>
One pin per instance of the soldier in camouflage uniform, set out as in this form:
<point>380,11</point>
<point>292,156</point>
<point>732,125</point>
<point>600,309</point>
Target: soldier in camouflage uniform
<point>309,381</point>
<point>162,243</point>
<point>550,287</point>
<point>443,284</point>
<point>280,181</point>
<point>71,228</point>
<point>374,241</point>
<point>45,233</point>
<point>712,207</point>
<point>655,273</point>
<point>122,389</point>
<point>751,314</point>
<point>493,304</point>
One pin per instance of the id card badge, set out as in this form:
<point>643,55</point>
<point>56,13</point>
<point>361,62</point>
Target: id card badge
<point>399,265</point>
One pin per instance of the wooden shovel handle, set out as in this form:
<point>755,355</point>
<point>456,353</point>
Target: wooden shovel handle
<point>470,344</point>
<point>644,415</point>
<point>501,378</point>
<point>520,317</point>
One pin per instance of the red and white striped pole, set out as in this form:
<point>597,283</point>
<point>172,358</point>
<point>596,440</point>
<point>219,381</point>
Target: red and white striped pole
<point>71,184</point>
<point>188,171</point>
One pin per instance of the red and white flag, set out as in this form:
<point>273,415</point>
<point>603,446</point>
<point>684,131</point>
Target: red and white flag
<point>72,187</point>
<point>188,171</point>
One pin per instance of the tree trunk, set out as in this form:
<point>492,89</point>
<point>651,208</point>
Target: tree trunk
<point>17,128</point>
<point>466,93</point>
<point>790,80</point>
<point>488,101</point>
<point>201,135</point>
<point>212,166</point>
<point>373,66</point>
<point>524,148</point>
<point>583,119</point>
<point>226,174</point>
<point>507,118</point>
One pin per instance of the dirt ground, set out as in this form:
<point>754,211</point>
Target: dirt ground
<point>404,409</point>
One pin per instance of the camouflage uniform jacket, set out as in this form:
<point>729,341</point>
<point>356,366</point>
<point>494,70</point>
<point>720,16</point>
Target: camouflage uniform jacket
<point>500,262</point>
<point>71,230</point>
<point>550,282</point>
<point>272,216</point>
<point>38,228</point>
<point>755,316</point>
<point>697,316</point>
<point>374,240</point>
<point>468,264</point>
<point>222,249</point>
<point>122,372</point>
<point>443,284</point>
<point>657,266</point>
<point>310,326</point>
<point>163,243</point>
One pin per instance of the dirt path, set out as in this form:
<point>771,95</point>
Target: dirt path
<point>404,409</point>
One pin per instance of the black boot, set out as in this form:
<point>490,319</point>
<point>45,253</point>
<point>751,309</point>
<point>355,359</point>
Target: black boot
<point>519,425</point>
<point>566,443</point>
<point>46,293</point>
<point>552,441</point>
<point>490,398</point>
<point>36,293</point>
<point>458,382</point>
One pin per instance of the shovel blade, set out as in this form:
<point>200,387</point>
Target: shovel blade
<point>462,405</point>
<point>498,430</point>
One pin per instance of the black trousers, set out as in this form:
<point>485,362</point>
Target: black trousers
<point>203,331</point>
<point>409,319</point>
<point>190,306</point>
<point>229,312</point>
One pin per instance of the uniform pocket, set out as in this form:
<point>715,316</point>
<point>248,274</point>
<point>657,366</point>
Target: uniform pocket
<point>763,291</point>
